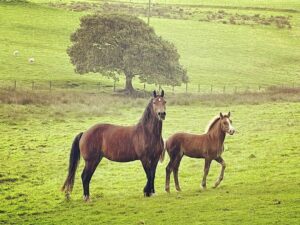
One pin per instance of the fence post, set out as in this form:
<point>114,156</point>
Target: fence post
<point>114,85</point>
<point>50,85</point>
<point>144,90</point>
<point>15,85</point>
<point>258,87</point>
<point>211,88</point>
<point>186,87</point>
<point>32,85</point>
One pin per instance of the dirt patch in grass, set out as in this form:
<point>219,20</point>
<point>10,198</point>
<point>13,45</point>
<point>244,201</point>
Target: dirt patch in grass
<point>8,180</point>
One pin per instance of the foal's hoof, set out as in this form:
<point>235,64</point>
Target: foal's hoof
<point>215,186</point>
<point>68,196</point>
<point>167,189</point>
<point>178,189</point>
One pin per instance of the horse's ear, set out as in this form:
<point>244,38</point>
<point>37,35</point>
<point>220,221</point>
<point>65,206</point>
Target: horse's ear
<point>154,94</point>
<point>228,114</point>
<point>162,93</point>
<point>221,115</point>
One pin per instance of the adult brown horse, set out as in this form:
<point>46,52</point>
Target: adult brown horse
<point>121,144</point>
<point>208,146</point>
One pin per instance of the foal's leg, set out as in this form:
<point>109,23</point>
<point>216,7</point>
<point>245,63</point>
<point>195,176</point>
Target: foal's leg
<point>169,170</point>
<point>175,171</point>
<point>206,170</point>
<point>174,152</point>
<point>87,173</point>
<point>222,162</point>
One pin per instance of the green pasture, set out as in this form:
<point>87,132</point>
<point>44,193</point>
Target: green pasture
<point>261,184</point>
<point>262,179</point>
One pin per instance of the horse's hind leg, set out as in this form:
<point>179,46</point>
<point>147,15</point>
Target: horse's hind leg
<point>206,170</point>
<point>87,173</point>
<point>175,171</point>
<point>222,162</point>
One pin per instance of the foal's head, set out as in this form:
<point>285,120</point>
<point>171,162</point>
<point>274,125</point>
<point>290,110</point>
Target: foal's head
<point>226,124</point>
<point>159,105</point>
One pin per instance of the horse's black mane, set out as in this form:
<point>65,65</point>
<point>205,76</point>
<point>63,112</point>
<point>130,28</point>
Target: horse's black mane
<point>150,121</point>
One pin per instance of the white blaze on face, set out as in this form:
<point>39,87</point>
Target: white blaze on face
<point>231,129</point>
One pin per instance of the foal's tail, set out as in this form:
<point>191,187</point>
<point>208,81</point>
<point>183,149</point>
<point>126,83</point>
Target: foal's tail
<point>73,163</point>
<point>162,156</point>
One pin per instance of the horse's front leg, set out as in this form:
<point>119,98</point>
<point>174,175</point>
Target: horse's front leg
<point>206,170</point>
<point>222,162</point>
<point>147,188</point>
<point>152,177</point>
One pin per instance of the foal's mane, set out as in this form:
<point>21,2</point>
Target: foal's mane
<point>211,123</point>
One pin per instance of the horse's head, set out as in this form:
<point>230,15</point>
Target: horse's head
<point>226,124</point>
<point>159,105</point>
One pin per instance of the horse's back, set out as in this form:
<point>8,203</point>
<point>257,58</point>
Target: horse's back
<point>110,141</point>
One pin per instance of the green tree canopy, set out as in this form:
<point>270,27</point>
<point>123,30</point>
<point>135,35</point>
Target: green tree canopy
<point>124,45</point>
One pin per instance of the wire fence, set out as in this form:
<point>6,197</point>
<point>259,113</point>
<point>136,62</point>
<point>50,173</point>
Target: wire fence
<point>92,86</point>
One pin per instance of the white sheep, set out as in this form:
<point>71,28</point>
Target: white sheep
<point>31,60</point>
<point>16,53</point>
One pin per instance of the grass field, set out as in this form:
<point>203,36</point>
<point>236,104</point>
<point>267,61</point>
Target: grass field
<point>261,183</point>
<point>262,179</point>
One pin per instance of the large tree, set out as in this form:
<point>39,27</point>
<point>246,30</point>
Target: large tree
<point>116,45</point>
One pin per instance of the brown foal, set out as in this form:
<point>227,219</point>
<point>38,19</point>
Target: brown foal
<point>209,146</point>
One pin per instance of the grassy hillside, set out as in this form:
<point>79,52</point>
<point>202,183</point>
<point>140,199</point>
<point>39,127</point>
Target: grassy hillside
<point>214,53</point>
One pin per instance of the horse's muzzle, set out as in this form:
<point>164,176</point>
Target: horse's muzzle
<point>162,115</point>
<point>231,132</point>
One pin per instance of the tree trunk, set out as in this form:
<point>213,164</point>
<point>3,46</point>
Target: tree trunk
<point>128,86</point>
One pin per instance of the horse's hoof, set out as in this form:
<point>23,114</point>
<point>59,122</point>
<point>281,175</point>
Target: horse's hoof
<point>86,198</point>
<point>146,194</point>
<point>168,190</point>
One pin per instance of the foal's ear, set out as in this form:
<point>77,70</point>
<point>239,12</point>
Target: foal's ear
<point>154,94</point>
<point>162,93</point>
<point>228,114</point>
<point>221,115</point>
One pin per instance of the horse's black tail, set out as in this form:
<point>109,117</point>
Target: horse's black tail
<point>73,163</point>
